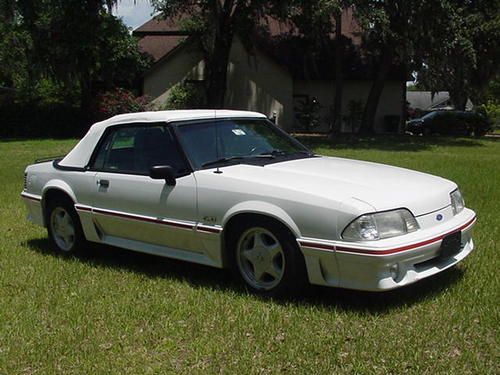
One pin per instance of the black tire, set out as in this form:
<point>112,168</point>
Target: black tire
<point>56,207</point>
<point>294,276</point>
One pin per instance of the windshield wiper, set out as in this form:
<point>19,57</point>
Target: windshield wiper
<point>274,153</point>
<point>231,158</point>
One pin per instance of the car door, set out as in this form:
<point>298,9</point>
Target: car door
<point>129,207</point>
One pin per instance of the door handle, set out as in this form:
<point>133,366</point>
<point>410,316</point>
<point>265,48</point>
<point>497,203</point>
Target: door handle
<point>103,183</point>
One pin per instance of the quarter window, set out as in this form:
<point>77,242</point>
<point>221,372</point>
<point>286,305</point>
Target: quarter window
<point>135,149</point>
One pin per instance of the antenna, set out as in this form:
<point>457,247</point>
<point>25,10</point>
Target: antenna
<point>217,156</point>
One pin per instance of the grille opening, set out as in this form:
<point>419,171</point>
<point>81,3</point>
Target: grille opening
<point>436,261</point>
<point>25,185</point>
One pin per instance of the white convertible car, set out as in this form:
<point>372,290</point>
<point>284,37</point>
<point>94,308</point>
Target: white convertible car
<point>230,189</point>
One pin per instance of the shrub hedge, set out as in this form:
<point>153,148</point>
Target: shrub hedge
<point>28,120</point>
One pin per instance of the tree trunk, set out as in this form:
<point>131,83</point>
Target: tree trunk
<point>339,78</point>
<point>459,100</point>
<point>217,72</point>
<point>368,120</point>
<point>458,95</point>
<point>92,9</point>
<point>85,93</point>
<point>218,57</point>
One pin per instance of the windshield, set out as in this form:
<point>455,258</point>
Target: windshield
<point>237,140</point>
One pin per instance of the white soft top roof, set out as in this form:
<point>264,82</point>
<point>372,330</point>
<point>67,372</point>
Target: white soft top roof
<point>79,156</point>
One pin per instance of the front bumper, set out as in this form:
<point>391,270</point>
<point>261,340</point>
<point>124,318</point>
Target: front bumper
<point>386,264</point>
<point>33,203</point>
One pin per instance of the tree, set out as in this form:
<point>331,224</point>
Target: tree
<point>74,44</point>
<point>469,57</point>
<point>14,42</point>
<point>317,21</point>
<point>215,23</point>
<point>339,76</point>
<point>398,33</point>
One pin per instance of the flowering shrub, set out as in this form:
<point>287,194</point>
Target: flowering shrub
<point>119,101</point>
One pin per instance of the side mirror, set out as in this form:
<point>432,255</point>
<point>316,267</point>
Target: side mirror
<point>163,172</point>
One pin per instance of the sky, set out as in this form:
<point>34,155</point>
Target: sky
<point>134,15</point>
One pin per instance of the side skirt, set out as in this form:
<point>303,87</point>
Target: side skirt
<point>209,253</point>
<point>160,251</point>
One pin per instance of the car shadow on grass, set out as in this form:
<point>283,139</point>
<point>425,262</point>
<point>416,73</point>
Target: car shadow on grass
<point>382,302</point>
<point>402,142</point>
<point>216,279</point>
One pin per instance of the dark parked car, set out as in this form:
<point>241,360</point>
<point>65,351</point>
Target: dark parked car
<point>450,123</point>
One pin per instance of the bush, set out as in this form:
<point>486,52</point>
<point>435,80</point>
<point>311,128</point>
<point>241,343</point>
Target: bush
<point>120,101</point>
<point>184,96</point>
<point>490,110</point>
<point>51,117</point>
<point>35,120</point>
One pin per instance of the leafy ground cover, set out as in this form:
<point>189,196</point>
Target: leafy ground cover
<point>117,312</point>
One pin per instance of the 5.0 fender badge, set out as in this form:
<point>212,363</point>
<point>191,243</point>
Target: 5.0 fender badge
<point>209,219</point>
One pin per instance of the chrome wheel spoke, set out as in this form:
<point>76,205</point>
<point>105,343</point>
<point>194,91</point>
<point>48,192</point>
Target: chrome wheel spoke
<point>68,239</point>
<point>273,271</point>
<point>66,222</point>
<point>63,229</point>
<point>258,240</point>
<point>259,271</point>
<point>58,220</point>
<point>250,255</point>
<point>275,250</point>
<point>261,258</point>
<point>253,257</point>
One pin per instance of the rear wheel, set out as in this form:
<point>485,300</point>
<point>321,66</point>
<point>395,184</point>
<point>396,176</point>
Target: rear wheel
<point>63,226</point>
<point>266,257</point>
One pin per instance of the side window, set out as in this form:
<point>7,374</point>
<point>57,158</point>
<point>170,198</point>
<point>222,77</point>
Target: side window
<point>135,149</point>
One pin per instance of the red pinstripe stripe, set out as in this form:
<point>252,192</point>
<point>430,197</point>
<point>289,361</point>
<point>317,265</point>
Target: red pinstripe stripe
<point>315,245</point>
<point>149,220</point>
<point>209,230</point>
<point>146,219</point>
<point>386,251</point>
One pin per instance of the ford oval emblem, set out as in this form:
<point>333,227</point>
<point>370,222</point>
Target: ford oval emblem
<point>439,217</point>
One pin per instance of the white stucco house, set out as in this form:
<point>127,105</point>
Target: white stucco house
<point>275,77</point>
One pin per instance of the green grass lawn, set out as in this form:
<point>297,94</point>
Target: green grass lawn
<point>117,312</point>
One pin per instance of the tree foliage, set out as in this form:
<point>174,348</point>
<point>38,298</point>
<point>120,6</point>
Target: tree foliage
<point>14,43</point>
<point>64,48</point>
<point>468,57</point>
<point>317,20</point>
<point>452,44</point>
<point>74,44</point>
<point>215,23</point>
<point>397,33</point>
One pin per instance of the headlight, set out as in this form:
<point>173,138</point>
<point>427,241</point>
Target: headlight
<point>380,225</point>
<point>457,201</point>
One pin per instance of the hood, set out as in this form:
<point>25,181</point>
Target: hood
<point>381,186</point>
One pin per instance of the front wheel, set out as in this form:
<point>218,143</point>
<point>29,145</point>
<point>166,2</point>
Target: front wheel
<point>267,259</point>
<point>63,226</point>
